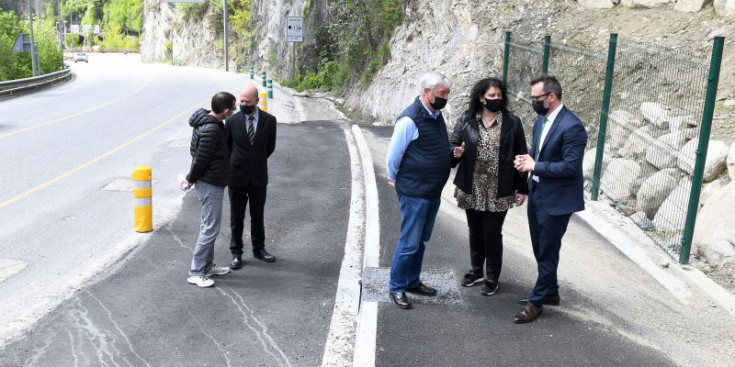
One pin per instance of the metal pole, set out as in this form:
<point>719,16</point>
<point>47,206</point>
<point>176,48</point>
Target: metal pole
<point>609,73</point>
<point>506,57</point>
<point>227,68</point>
<point>709,110</point>
<point>61,24</point>
<point>547,52</point>
<point>33,44</point>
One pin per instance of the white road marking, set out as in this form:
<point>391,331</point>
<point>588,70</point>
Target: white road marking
<point>339,348</point>
<point>367,328</point>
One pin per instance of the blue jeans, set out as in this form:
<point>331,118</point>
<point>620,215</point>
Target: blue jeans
<point>417,222</point>
<point>211,198</point>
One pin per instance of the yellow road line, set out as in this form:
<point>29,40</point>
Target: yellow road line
<point>78,113</point>
<point>95,160</point>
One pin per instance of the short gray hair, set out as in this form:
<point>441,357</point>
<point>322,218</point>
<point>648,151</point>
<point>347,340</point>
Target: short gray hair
<point>431,79</point>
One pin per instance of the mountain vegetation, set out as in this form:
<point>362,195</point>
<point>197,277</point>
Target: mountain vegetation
<point>16,65</point>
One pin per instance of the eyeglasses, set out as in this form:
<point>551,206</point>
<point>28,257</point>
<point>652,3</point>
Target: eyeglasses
<point>536,98</point>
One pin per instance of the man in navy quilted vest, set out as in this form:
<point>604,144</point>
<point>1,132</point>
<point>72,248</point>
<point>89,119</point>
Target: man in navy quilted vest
<point>418,162</point>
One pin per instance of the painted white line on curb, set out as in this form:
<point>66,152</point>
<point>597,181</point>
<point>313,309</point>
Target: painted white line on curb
<point>372,217</point>
<point>339,348</point>
<point>365,340</point>
<point>367,329</point>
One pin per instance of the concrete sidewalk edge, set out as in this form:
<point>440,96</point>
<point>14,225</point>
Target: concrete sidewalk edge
<point>643,251</point>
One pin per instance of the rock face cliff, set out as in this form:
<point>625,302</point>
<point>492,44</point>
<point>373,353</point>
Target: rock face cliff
<point>198,41</point>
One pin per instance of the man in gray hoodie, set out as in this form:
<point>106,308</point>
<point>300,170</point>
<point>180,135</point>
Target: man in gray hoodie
<point>210,171</point>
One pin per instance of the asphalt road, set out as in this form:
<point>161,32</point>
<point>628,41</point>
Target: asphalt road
<point>67,158</point>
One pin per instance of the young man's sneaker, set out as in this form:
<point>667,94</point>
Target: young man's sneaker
<point>217,270</point>
<point>200,281</point>
<point>471,279</point>
<point>489,288</point>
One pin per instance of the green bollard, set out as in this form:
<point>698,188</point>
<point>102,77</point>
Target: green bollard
<point>263,73</point>
<point>251,72</point>
<point>269,88</point>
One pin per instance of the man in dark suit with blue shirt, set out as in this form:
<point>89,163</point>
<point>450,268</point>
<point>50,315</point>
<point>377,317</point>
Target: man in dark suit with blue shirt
<point>251,136</point>
<point>555,187</point>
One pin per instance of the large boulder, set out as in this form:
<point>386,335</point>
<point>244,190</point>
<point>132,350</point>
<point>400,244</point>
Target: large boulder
<point>619,178</point>
<point>620,124</point>
<point>588,163</point>
<point>725,8</point>
<point>645,3</point>
<point>599,4</point>
<point>731,162</point>
<point>671,215</point>
<point>713,240</point>
<point>654,191</point>
<point>664,151</point>
<point>655,114</point>
<point>637,144</point>
<point>714,164</point>
<point>690,6</point>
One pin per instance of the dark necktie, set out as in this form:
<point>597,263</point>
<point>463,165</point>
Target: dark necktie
<point>251,130</point>
<point>538,143</point>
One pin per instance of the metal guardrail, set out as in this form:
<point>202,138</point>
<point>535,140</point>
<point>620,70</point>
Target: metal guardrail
<point>10,87</point>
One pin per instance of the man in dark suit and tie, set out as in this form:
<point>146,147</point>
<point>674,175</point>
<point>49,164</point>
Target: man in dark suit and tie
<point>556,187</point>
<point>251,135</point>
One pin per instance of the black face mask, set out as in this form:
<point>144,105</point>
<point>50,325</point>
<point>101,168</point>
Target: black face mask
<point>439,103</point>
<point>538,106</point>
<point>247,109</point>
<point>494,105</point>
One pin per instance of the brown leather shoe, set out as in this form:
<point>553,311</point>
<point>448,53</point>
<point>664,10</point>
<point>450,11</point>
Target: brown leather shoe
<point>553,300</point>
<point>528,314</point>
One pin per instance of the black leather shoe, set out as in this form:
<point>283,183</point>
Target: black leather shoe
<point>236,262</point>
<point>263,255</point>
<point>400,299</point>
<point>552,300</point>
<point>528,314</point>
<point>422,290</point>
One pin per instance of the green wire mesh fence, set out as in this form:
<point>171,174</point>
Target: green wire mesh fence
<point>651,130</point>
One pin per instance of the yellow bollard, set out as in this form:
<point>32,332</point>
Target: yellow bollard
<point>263,101</point>
<point>143,194</point>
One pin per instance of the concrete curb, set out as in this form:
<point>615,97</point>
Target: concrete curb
<point>632,241</point>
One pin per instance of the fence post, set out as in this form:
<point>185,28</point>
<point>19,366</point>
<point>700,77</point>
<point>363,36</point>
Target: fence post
<point>709,109</point>
<point>604,110</point>
<point>547,52</point>
<point>506,57</point>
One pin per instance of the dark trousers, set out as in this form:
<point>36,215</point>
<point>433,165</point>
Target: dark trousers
<point>239,197</point>
<point>546,233</point>
<point>486,242</point>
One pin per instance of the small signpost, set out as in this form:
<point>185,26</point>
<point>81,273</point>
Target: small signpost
<point>22,44</point>
<point>295,29</point>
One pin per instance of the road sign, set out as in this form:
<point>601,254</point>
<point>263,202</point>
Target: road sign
<point>22,44</point>
<point>295,29</point>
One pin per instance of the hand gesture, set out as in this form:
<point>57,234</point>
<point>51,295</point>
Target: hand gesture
<point>458,151</point>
